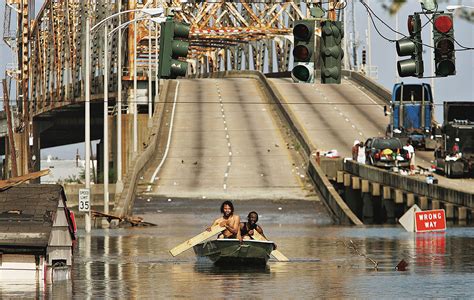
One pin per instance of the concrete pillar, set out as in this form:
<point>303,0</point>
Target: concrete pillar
<point>386,193</point>
<point>410,200</point>
<point>375,189</point>
<point>449,208</point>
<point>340,176</point>
<point>347,179</point>
<point>435,204</point>
<point>368,208</point>
<point>365,186</point>
<point>353,200</point>
<point>398,196</point>
<point>356,183</point>
<point>390,208</point>
<point>423,202</point>
<point>462,213</point>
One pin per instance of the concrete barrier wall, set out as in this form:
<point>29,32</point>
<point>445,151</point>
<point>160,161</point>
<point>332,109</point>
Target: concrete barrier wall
<point>330,197</point>
<point>410,184</point>
<point>125,201</point>
<point>97,192</point>
<point>374,87</point>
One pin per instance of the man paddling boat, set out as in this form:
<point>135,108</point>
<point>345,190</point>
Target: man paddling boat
<point>247,228</point>
<point>228,220</point>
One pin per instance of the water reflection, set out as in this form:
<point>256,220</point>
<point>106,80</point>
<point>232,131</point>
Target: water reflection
<point>211,269</point>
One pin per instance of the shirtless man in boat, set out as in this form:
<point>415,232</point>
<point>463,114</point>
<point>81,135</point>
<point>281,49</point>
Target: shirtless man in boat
<point>228,220</point>
<point>247,228</point>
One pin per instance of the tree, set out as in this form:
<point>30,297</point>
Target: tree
<point>393,6</point>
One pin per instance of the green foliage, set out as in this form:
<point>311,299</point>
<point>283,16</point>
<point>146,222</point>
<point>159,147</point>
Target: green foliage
<point>393,6</point>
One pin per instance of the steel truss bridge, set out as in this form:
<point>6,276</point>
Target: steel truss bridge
<point>225,35</point>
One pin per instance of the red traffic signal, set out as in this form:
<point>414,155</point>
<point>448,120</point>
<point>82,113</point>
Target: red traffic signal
<point>443,23</point>
<point>443,41</point>
<point>411,24</point>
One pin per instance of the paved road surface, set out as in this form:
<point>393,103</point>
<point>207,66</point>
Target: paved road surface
<point>225,144</point>
<point>333,116</point>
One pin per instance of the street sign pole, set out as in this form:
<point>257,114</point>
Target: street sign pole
<point>84,200</point>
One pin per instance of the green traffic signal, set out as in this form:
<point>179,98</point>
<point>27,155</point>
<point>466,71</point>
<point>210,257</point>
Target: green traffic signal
<point>443,41</point>
<point>331,51</point>
<point>173,46</point>
<point>303,51</point>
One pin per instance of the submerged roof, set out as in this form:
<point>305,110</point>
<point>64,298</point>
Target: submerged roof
<point>27,214</point>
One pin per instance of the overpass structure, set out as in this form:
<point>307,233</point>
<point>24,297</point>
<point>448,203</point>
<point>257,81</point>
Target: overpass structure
<point>216,134</point>
<point>50,68</point>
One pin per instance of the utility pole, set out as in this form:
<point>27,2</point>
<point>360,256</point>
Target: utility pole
<point>354,40</point>
<point>433,65</point>
<point>87,130</point>
<point>369,45</point>
<point>346,47</point>
<point>11,140</point>
<point>397,78</point>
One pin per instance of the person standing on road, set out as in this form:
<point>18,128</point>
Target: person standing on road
<point>361,153</point>
<point>456,146</point>
<point>355,150</point>
<point>411,152</point>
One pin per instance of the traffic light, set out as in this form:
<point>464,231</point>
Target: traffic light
<point>443,41</point>
<point>303,51</point>
<point>173,45</point>
<point>411,46</point>
<point>331,52</point>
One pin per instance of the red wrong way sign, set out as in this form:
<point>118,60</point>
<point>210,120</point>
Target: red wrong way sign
<point>430,220</point>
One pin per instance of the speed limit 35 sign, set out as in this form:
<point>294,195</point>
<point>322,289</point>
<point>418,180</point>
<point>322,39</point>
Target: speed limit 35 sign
<point>84,200</point>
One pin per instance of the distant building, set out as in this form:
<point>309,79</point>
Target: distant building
<point>37,232</point>
<point>64,170</point>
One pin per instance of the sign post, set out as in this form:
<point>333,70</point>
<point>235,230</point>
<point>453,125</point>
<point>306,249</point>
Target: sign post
<point>84,200</point>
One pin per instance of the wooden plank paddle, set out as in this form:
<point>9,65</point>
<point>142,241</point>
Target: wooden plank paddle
<point>275,253</point>
<point>196,240</point>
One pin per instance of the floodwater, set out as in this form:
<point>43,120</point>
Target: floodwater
<point>326,261</point>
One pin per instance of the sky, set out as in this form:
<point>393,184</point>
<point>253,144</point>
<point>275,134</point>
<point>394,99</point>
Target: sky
<point>383,56</point>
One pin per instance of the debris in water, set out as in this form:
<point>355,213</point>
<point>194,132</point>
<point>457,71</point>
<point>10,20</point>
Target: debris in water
<point>402,266</point>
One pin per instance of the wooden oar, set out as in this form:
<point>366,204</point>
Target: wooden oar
<point>196,240</point>
<point>275,253</point>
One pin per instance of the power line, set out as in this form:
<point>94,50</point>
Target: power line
<point>242,103</point>
<point>430,20</point>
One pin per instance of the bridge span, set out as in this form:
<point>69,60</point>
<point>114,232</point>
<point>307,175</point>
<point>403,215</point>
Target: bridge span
<point>226,144</point>
<point>254,158</point>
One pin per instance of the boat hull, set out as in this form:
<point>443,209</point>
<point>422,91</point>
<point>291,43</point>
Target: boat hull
<point>231,251</point>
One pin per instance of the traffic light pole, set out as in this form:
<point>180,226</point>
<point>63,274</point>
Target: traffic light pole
<point>87,129</point>
<point>134,104</point>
